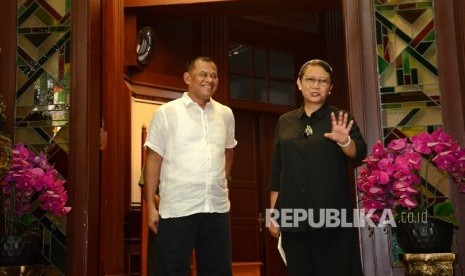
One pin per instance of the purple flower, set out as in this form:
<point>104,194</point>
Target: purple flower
<point>397,144</point>
<point>386,165</point>
<point>407,202</point>
<point>421,141</point>
<point>445,161</point>
<point>31,181</point>
<point>378,150</point>
<point>390,177</point>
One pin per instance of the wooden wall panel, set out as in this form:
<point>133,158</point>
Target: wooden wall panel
<point>131,33</point>
<point>459,8</point>
<point>83,250</point>
<point>178,40</point>
<point>8,60</point>
<point>215,45</point>
<point>141,3</point>
<point>202,8</point>
<point>115,156</point>
<point>452,88</point>
<point>362,81</point>
<point>332,30</point>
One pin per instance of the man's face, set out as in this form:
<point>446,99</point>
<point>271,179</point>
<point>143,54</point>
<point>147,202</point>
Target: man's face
<point>202,80</point>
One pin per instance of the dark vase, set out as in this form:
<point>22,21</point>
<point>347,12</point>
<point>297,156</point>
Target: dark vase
<point>430,236</point>
<point>22,249</point>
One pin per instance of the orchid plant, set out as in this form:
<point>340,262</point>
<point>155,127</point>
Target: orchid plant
<point>392,179</point>
<point>31,182</point>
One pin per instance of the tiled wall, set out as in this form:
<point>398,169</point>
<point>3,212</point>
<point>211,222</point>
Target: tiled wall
<point>42,96</point>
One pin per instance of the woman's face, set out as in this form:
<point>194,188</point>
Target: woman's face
<point>315,85</point>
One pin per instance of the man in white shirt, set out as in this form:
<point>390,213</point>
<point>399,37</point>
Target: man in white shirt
<point>189,158</point>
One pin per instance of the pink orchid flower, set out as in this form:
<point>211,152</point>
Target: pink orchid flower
<point>390,177</point>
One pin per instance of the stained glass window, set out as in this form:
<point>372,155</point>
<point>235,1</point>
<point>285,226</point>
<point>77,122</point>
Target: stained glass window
<point>408,76</point>
<point>42,97</point>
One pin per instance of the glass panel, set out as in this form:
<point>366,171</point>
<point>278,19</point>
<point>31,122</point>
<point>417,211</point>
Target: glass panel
<point>42,98</point>
<point>260,91</point>
<point>240,58</point>
<point>282,93</point>
<point>281,65</point>
<point>241,87</point>
<point>260,63</point>
<point>250,75</point>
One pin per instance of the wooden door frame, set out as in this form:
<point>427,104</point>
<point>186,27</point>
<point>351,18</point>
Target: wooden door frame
<point>83,250</point>
<point>82,255</point>
<point>98,150</point>
<point>273,262</point>
<point>115,173</point>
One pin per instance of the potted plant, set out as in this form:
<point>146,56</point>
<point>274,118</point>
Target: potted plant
<point>397,178</point>
<point>31,183</point>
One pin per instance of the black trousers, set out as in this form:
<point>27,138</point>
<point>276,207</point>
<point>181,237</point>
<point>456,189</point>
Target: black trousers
<point>151,253</point>
<point>208,233</point>
<point>325,252</point>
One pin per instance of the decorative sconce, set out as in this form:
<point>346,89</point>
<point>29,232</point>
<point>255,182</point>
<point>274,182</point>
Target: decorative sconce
<point>146,45</point>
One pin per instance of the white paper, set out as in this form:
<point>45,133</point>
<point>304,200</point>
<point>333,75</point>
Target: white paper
<point>281,250</point>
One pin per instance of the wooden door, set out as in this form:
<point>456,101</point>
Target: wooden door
<point>245,191</point>
<point>249,194</point>
<point>274,264</point>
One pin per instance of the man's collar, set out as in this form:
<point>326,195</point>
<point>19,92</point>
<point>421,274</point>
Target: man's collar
<point>187,100</point>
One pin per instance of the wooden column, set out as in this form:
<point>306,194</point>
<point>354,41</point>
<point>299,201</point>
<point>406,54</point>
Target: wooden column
<point>335,50</point>
<point>8,60</point>
<point>215,45</point>
<point>82,247</point>
<point>451,85</point>
<point>459,15</point>
<point>362,84</point>
<point>115,155</point>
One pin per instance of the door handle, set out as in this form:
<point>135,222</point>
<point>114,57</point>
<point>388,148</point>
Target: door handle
<point>260,221</point>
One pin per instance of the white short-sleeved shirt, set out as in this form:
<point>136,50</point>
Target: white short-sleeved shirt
<point>192,142</point>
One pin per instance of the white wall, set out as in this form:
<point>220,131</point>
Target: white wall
<point>141,114</point>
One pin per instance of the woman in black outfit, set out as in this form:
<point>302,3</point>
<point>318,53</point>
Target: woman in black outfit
<point>309,178</point>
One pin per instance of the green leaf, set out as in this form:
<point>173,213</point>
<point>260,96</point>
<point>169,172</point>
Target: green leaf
<point>443,209</point>
<point>449,219</point>
<point>28,220</point>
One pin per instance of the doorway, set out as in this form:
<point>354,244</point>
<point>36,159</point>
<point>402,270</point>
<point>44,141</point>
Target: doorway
<point>249,194</point>
<point>272,36</point>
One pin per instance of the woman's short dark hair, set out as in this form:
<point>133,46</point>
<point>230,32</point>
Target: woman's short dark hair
<point>323,64</point>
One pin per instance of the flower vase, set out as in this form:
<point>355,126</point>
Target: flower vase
<point>16,250</point>
<point>430,236</point>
